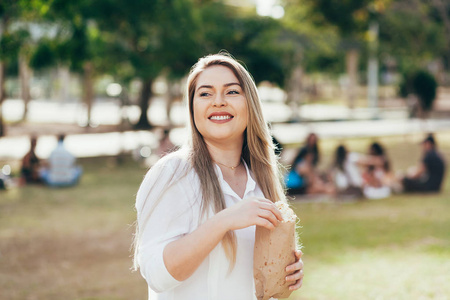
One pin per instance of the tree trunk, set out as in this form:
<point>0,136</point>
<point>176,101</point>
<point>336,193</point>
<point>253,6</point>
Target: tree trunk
<point>2,96</point>
<point>173,93</point>
<point>63,84</point>
<point>352,57</point>
<point>295,89</point>
<point>372,70</point>
<point>25,74</point>
<point>144,103</point>
<point>88,88</point>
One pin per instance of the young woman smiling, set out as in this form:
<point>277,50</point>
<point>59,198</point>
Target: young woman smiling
<point>197,208</point>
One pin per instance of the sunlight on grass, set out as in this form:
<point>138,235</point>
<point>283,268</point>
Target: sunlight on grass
<point>74,243</point>
<point>377,274</point>
<point>397,248</point>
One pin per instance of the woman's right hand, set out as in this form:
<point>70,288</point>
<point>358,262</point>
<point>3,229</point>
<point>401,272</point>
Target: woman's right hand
<point>251,211</point>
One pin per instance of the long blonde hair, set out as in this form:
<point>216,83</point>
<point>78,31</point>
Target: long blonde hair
<point>257,151</point>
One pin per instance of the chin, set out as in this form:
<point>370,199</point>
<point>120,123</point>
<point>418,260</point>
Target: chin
<point>217,137</point>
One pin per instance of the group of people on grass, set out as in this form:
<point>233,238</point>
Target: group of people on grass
<point>59,170</point>
<point>363,175</point>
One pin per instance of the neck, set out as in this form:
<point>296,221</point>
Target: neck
<point>225,155</point>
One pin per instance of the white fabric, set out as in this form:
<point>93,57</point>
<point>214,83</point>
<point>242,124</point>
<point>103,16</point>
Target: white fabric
<point>351,175</point>
<point>372,192</point>
<point>381,192</point>
<point>62,165</point>
<point>176,212</point>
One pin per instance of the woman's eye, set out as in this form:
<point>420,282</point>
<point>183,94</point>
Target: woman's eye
<point>233,92</point>
<point>204,94</point>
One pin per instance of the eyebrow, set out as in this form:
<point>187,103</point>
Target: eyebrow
<point>225,85</point>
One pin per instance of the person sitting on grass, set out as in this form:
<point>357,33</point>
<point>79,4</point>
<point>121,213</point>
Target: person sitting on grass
<point>346,174</point>
<point>373,186</point>
<point>62,170</point>
<point>2,184</point>
<point>429,174</point>
<point>377,175</point>
<point>31,164</point>
<point>304,177</point>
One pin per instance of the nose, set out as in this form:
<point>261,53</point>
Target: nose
<point>219,101</point>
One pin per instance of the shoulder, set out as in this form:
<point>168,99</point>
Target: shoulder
<point>434,155</point>
<point>168,178</point>
<point>354,156</point>
<point>173,162</point>
<point>174,165</point>
<point>430,155</point>
<point>303,151</point>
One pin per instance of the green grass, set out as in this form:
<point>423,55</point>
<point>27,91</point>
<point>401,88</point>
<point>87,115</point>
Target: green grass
<point>398,248</point>
<point>74,243</point>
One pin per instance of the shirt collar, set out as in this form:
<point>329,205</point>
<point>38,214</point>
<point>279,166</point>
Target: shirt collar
<point>250,186</point>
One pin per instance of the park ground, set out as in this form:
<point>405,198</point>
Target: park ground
<point>74,243</point>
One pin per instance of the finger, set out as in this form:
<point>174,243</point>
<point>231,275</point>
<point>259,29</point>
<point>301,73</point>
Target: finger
<point>296,286</point>
<point>271,207</point>
<point>298,254</point>
<point>268,215</point>
<point>296,276</point>
<point>264,223</point>
<point>298,265</point>
<point>264,200</point>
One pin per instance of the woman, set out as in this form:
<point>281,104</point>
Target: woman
<point>377,175</point>
<point>197,207</point>
<point>347,177</point>
<point>303,177</point>
<point>310,147</point>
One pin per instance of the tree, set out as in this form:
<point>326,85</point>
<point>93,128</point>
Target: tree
<point>257,41</point>
<point>10,41</point>
<point>443,11</point>
<point>410,33</point>
<point>151,36</point>
<point>167,37</point>
<point>349,20</point>
<point>73,45</point>
<point>424,86</point>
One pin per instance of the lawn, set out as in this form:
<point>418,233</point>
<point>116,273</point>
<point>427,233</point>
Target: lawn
<point>74,243</point>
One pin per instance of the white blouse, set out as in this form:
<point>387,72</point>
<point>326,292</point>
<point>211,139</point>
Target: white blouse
<point>351,175</point>
<point>171,193</point>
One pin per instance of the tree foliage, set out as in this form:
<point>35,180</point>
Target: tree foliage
<point>411,32</point>
<point>423,85</point>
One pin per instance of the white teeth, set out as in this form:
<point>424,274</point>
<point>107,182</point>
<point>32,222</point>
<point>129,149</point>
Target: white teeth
<point>220,117</point>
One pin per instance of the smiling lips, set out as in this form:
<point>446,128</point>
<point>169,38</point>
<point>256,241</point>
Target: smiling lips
<point>220,117</point>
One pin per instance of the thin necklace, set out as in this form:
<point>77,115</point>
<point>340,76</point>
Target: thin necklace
<point>232,168</point>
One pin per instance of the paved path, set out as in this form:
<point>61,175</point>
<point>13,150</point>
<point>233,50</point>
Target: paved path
<point>107,115</point>
<point>113,143</point>
<point>297,132</point>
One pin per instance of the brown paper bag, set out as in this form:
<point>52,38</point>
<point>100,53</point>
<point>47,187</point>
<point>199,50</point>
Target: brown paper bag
<point>274,251</point>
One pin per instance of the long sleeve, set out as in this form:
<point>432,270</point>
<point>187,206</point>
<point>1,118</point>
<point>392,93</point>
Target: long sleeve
<point>164,214</point>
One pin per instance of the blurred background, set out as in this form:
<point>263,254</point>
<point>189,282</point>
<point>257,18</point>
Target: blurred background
<point>110,75</point>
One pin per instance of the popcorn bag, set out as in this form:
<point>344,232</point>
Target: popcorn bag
<point>274,251</point>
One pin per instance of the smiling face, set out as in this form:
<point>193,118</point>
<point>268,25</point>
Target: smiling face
<point>219,106</point>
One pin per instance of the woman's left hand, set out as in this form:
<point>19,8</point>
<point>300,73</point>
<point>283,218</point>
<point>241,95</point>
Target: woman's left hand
<point>296,271</point>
